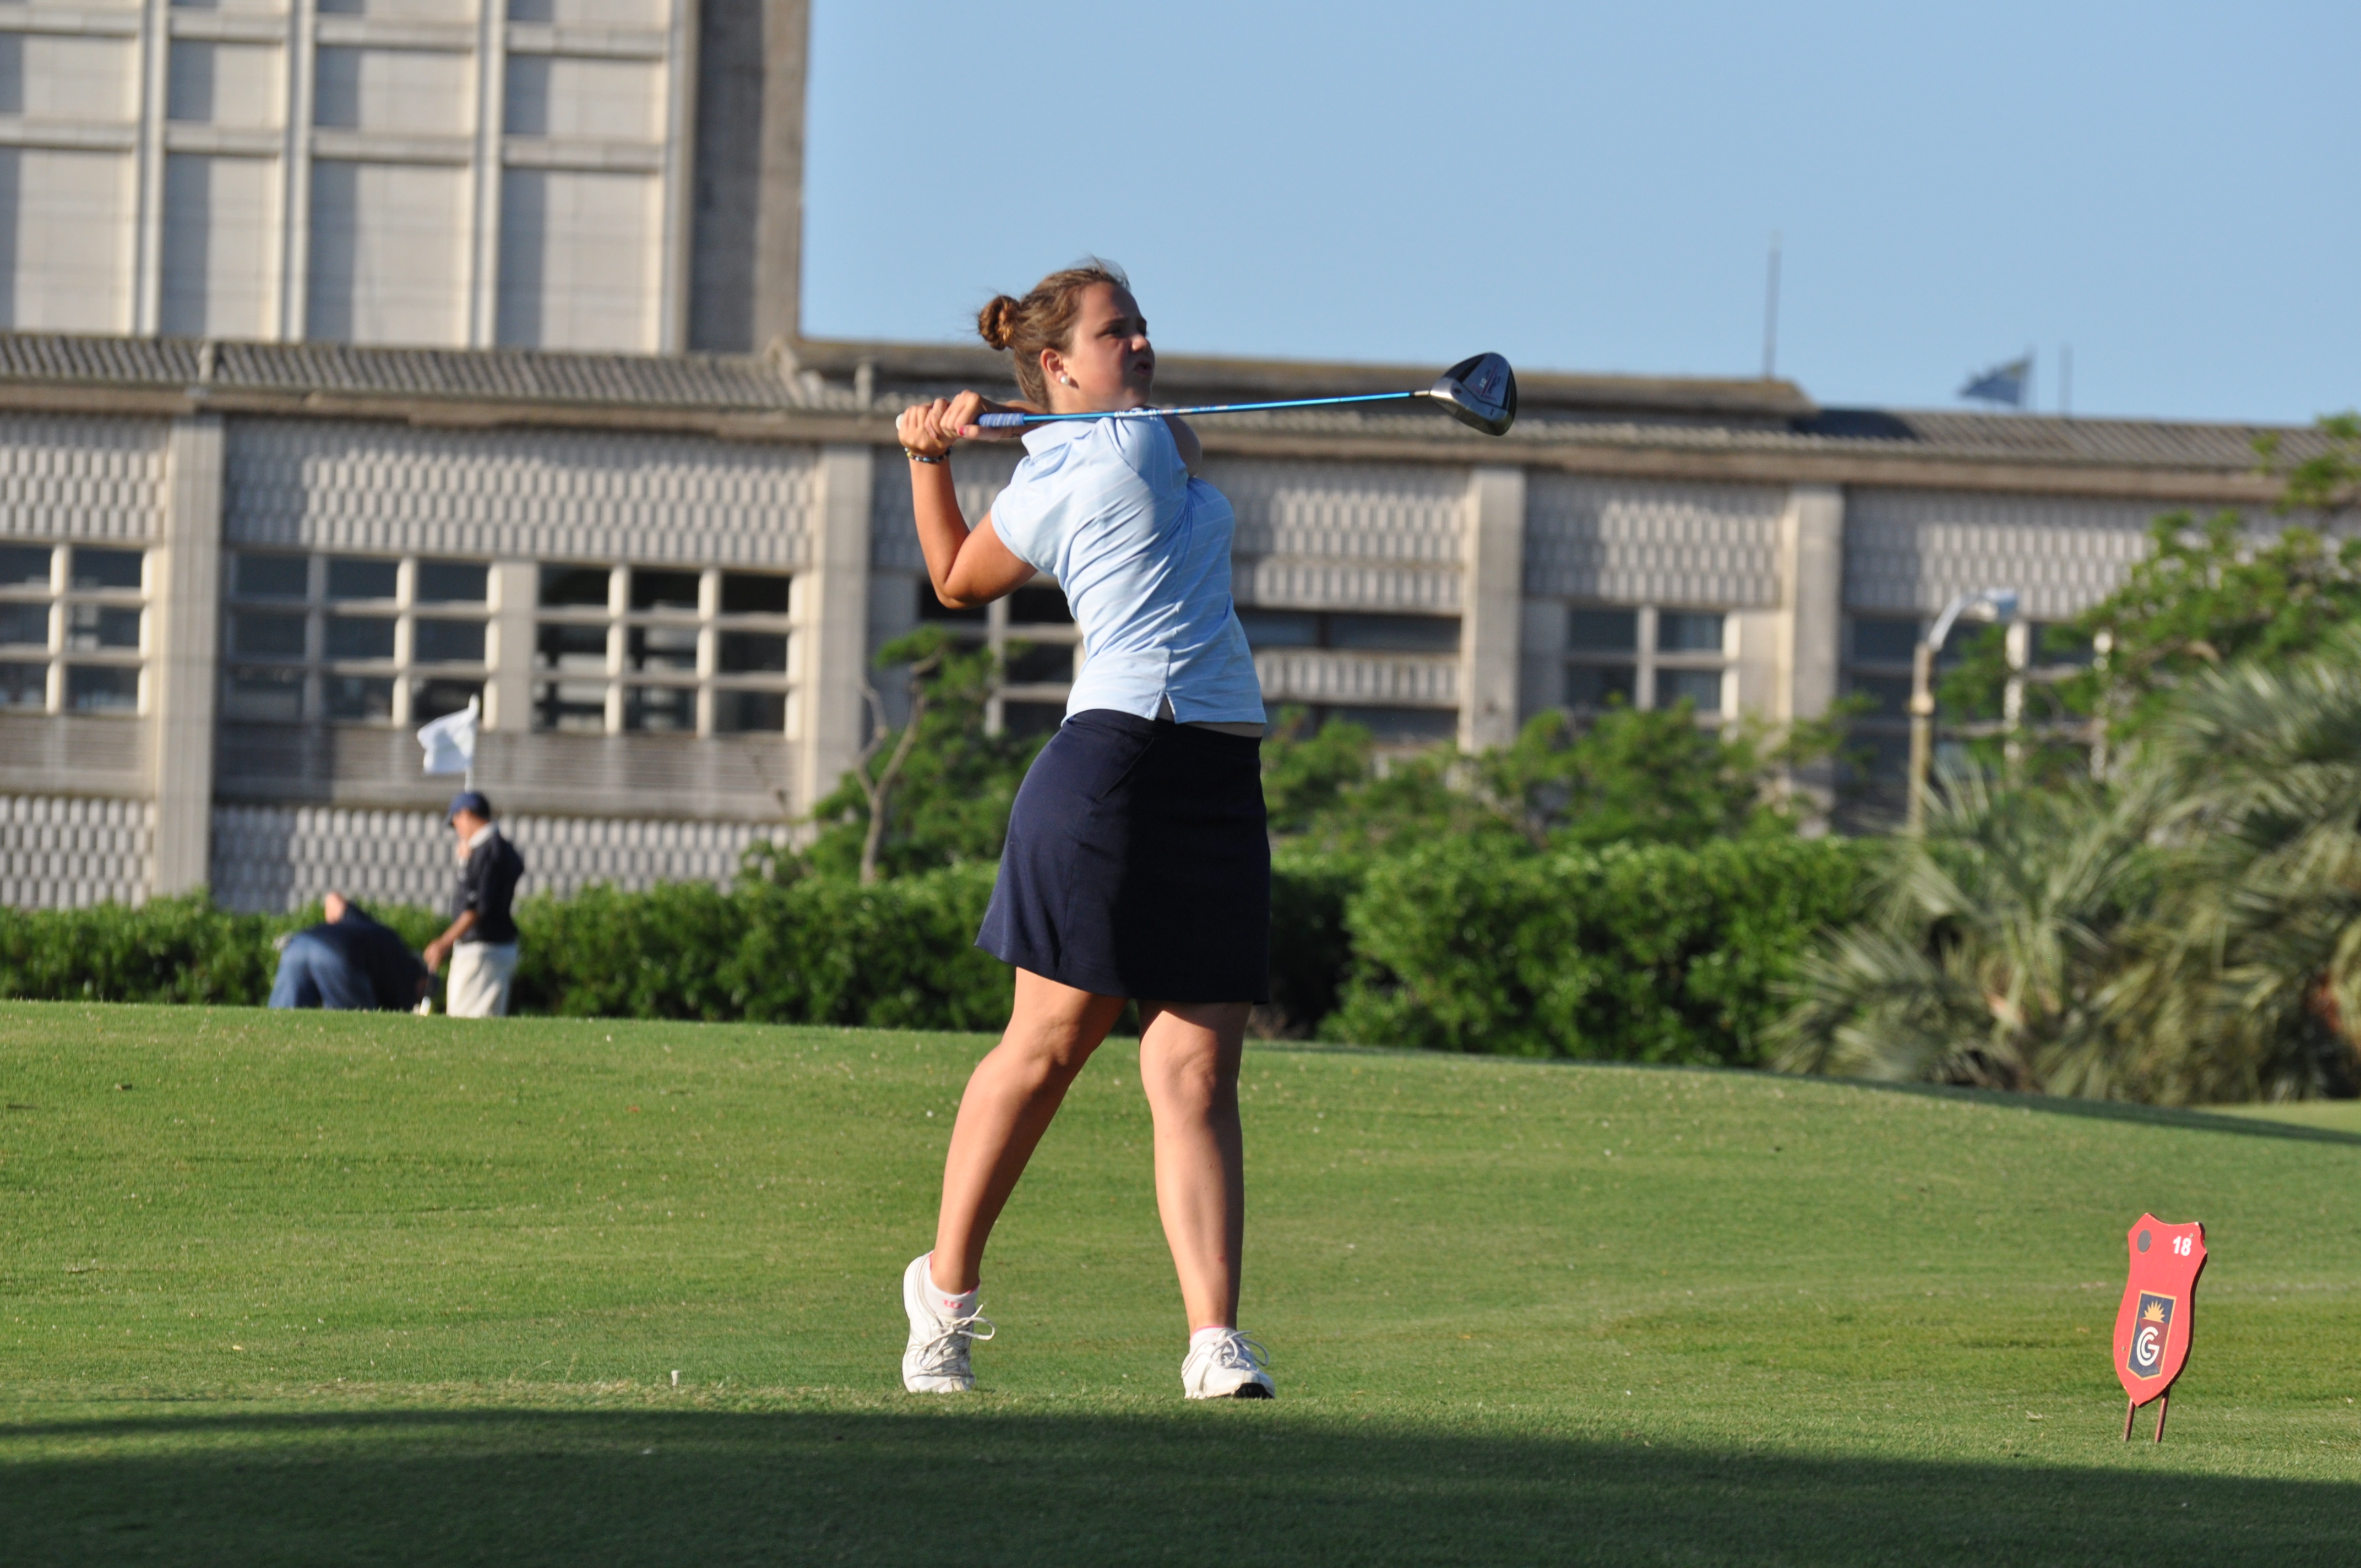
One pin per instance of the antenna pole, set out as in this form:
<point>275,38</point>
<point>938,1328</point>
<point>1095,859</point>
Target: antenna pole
<point>1771,314</point>
<point>2065,377</point>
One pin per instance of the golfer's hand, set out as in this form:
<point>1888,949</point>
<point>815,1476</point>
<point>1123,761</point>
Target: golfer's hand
<point>927,429</point>
<point>968,406</point>
<point>434,953</point>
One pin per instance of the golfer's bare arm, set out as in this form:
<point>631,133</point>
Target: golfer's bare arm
<point>968,566</point>
<point>971,567</point>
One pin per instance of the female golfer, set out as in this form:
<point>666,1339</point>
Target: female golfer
<point>1136,864</point>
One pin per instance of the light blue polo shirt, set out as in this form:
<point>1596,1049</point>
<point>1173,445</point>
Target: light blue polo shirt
<point>1106,507</point>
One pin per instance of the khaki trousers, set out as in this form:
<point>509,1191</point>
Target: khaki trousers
<point>481,976</point>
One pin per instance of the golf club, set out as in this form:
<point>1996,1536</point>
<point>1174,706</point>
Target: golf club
<point>1480,391</point>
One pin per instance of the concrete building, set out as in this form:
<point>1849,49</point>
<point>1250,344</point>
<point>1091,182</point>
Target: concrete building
<point>614,175</point>
<point>234,576</point>
<point>345,385</point>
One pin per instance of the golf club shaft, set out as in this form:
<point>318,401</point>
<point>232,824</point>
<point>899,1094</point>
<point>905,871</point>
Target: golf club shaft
<point>1012,421</point>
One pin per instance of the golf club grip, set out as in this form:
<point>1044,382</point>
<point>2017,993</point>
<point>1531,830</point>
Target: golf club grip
<point>999,422</point>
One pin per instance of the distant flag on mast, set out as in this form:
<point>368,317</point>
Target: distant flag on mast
<point>450,740</point>
<point>2002,383</point>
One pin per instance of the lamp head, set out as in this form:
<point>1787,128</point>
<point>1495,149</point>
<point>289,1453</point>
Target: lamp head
<point>1984,604</point>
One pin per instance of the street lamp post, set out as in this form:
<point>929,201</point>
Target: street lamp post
<point>2019,654</point>
<point>1984,604</point>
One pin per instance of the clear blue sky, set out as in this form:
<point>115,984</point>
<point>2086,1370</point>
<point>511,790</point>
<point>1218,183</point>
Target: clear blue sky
<point>2172,189</point>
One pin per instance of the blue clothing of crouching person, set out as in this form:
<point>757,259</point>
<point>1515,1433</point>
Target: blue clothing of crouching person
<point>348,962</point>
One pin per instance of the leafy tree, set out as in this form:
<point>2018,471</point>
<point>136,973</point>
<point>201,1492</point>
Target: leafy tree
<point>1307,771</point>
<point>2207,596</point>
<point>1625,777</point>
<point>1655,777</point>
<point>947,798</point>
<point>2329,479</point>
<point>876,782</point>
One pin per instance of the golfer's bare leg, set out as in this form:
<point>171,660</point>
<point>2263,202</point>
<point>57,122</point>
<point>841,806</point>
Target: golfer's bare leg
<point>1189,1055</point>
<point>1010,1098</point>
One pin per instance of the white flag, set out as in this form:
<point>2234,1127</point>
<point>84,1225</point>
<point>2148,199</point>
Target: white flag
<point>450,740</point>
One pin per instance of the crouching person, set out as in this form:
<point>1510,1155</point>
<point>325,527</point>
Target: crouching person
<point>347,962</point>
<point>481,941</point>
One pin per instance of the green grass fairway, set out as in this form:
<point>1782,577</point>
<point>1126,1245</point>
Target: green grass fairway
<point>312,1288</point>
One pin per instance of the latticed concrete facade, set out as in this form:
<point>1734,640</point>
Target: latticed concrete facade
<point>234,577</point>
<point>577,174</point>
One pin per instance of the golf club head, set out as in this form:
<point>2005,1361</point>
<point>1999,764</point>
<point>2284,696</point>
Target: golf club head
<point>1480,393</point>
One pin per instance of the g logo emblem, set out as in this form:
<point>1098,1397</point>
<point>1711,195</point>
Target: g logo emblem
<point>2151,1328</point>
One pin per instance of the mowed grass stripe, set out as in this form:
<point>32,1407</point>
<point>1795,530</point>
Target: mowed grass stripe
<point>1582,1312</point>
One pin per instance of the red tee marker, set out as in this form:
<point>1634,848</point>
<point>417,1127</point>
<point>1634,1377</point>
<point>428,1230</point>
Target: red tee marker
<point>2153,1325</point>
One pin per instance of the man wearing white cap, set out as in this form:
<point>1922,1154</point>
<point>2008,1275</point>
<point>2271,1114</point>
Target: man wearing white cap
<point>481,941</point>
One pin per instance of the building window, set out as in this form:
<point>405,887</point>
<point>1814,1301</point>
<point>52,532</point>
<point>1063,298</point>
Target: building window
<point>1647,657</point>
<point>74,629</point>
<point>1602,666</point>
<point>1877,666</point>
<point>661,650</point>
<point>1355,631</point>
<point>1270,630</point>
<point>1395,727</point>
<point>354,639</point>
<point>1036,647</point>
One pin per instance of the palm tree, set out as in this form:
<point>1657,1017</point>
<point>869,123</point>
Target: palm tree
<point>1992,952</point>
<point>2191,934</point>
<point>2247,979</point>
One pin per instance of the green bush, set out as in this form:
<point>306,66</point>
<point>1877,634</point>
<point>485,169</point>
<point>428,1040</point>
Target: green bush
<point>1311,950</point>
<point>900,954</point>
<point>1655,954</point>
<point>169,949</point>
<point>897,954</point>
<point>602,953</point>
<point>1648,954</point>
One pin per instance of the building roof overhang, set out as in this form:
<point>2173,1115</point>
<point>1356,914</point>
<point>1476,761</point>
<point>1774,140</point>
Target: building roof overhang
<point>1657,427</point>
<point>1213,379</point>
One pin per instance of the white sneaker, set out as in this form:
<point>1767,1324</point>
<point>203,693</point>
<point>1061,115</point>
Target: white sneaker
<point>1223,1364</point>
<point>935,1361</point>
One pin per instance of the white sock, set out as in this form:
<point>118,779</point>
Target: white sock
<point>946,1305</point>
<point>1206,1336</point>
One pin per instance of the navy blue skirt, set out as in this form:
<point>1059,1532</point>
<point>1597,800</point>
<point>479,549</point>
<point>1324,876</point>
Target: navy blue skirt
<point>1139,864</point>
